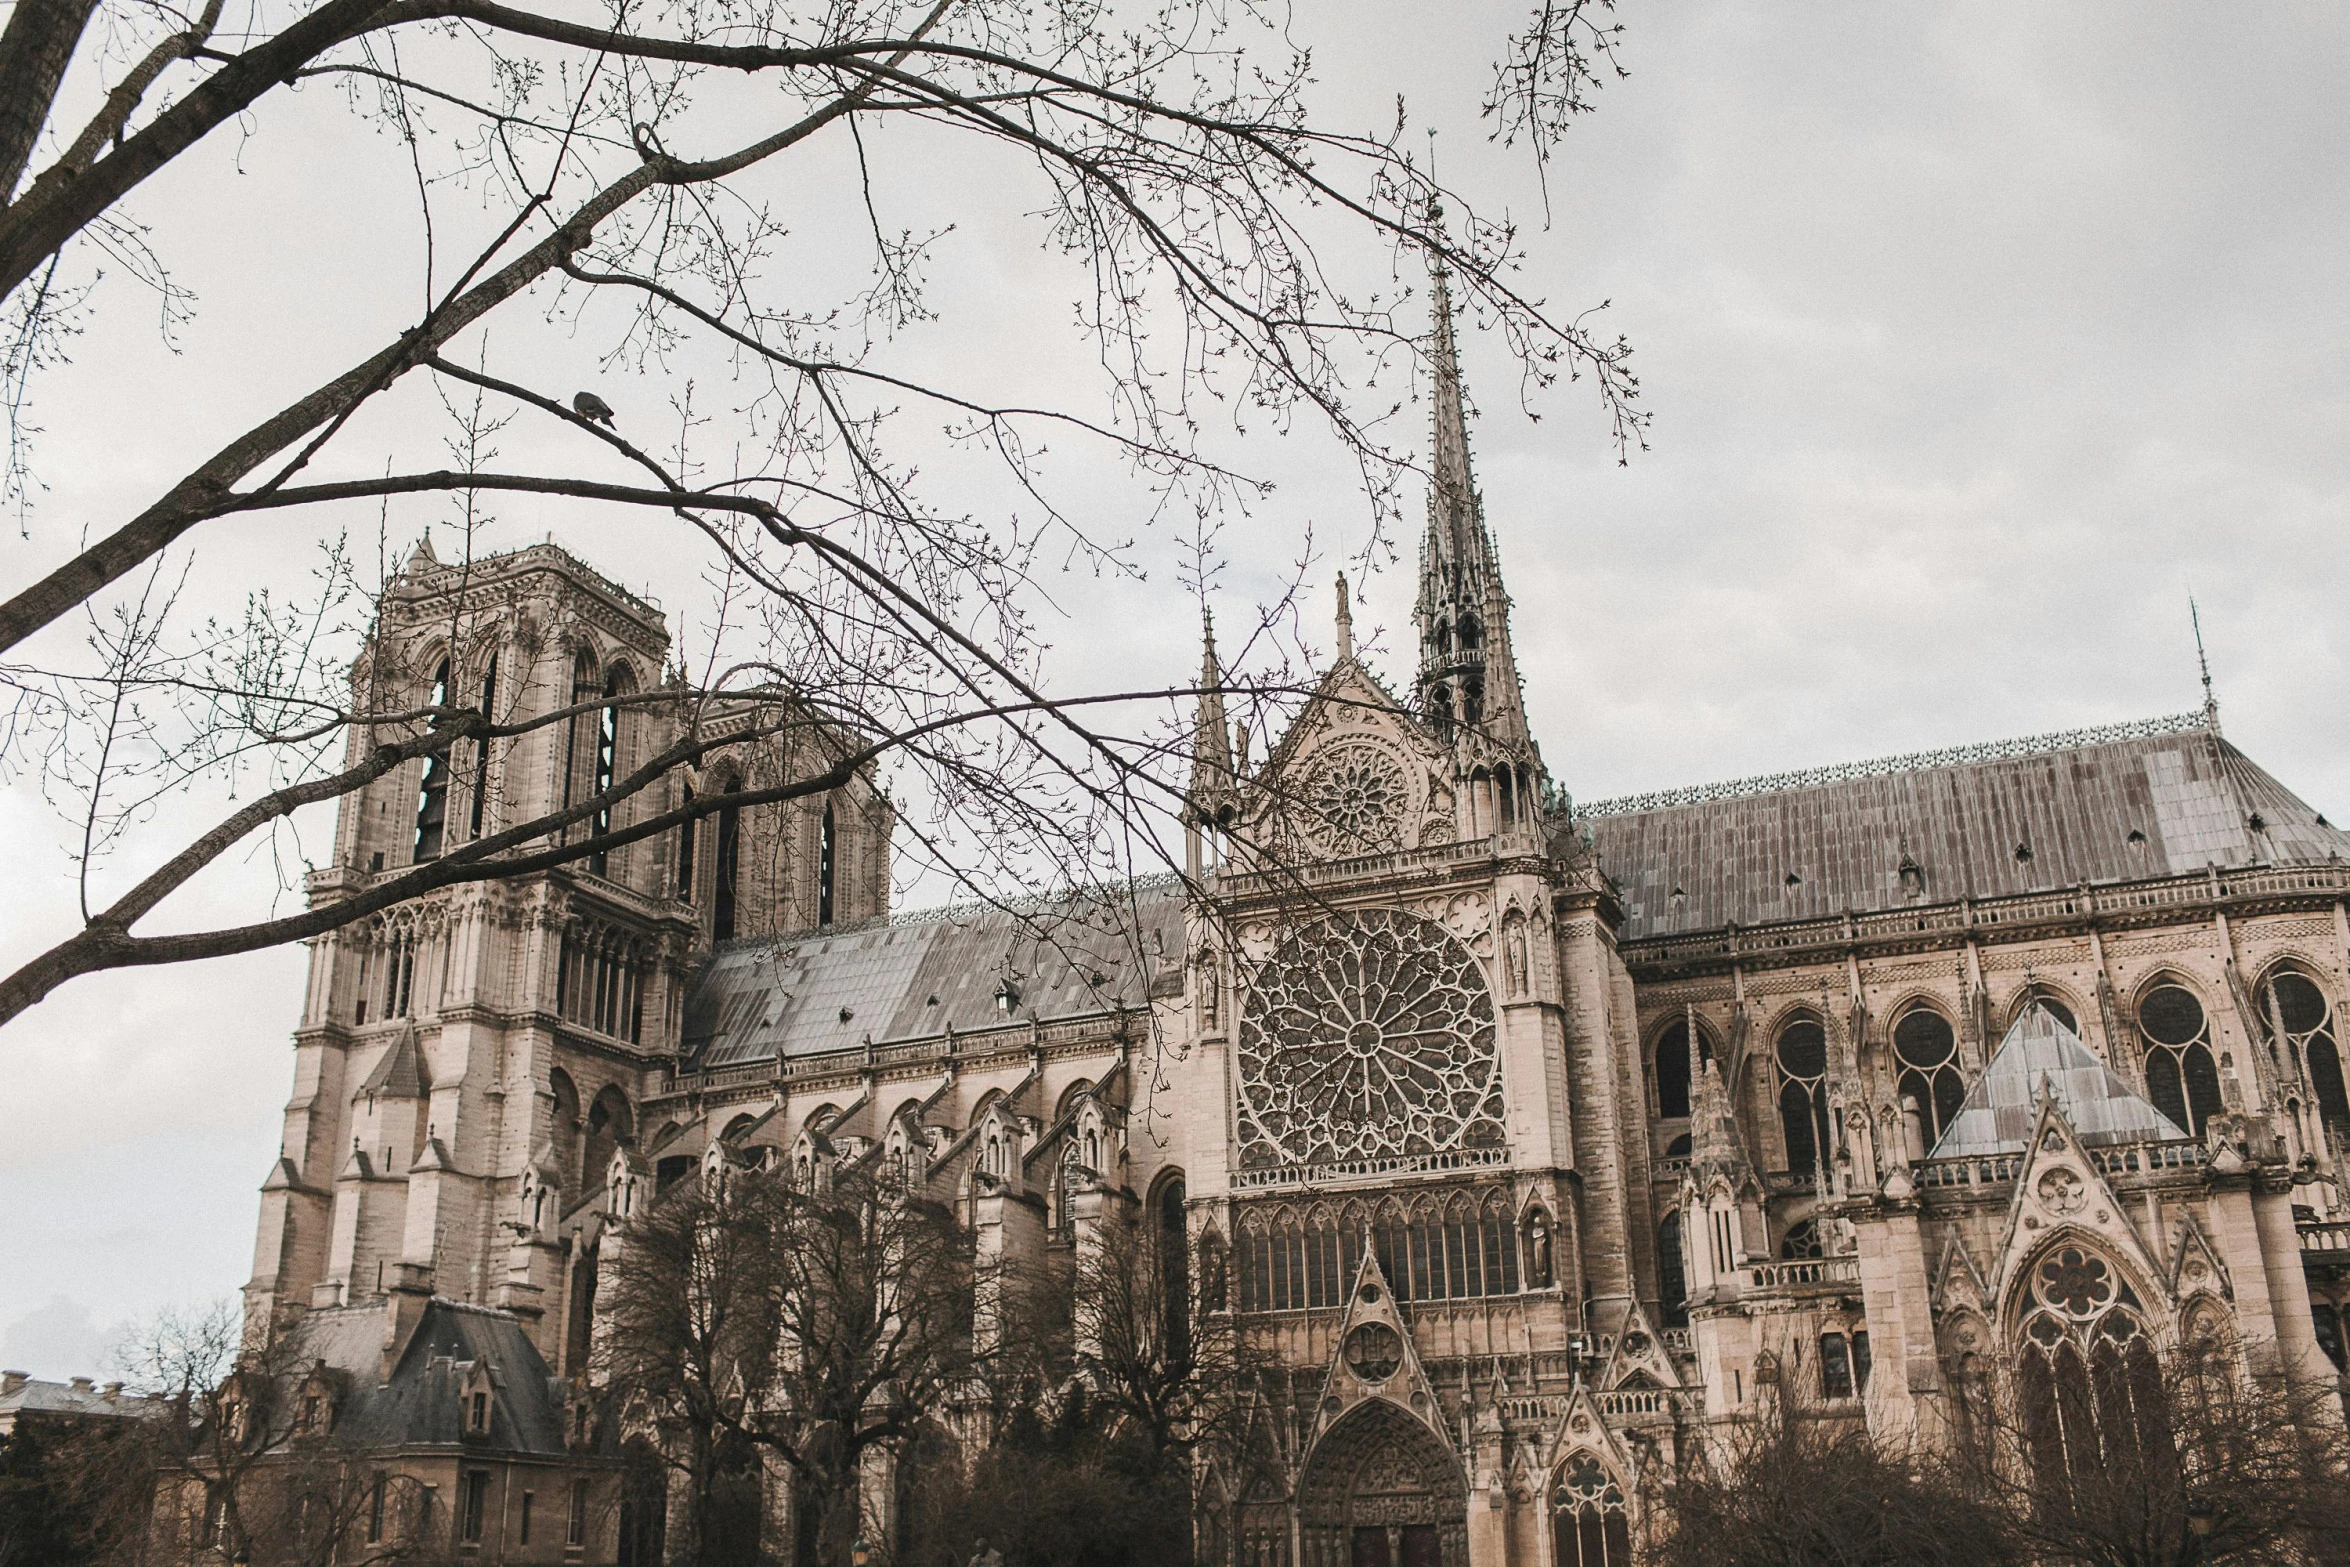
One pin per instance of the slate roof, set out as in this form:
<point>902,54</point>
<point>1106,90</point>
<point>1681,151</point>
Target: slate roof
<point>2040,1055</point>
<point>911,976</point>
<point>80,1397</point>
<point>2163,797</point>
<point>418,1406</point>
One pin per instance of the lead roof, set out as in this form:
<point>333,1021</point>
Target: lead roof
<point>2164,798</point>
<point>913,976</point>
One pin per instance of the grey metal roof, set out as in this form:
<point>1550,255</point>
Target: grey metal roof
<point>2162,798</point>
<point>418,1405</point>
<point>2040,1055</point>
<point>81,1396</point>
<point>914,975</point>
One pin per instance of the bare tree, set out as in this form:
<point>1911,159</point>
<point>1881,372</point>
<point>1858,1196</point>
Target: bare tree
<point>743,1317</point>
<point>2123,1458</point>
<point>1793,1487</point>
<point>612,172</point>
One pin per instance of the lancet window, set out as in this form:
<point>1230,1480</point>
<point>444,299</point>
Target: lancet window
<point>1672,1068</point>
<point>2182,1079</point>
<point>1442,1246</point>
<point>1802,1054</point>
<point>1928,1052</point>
<point>601,983</point>
<point>2301,1015</point>
<point>1672,1273</point>
<point>2092,1395</point>
<point>1589,1523</point>
<point>432,804</point>
<point>617,684</point>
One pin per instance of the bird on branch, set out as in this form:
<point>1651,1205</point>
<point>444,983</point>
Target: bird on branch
<point>593,409</point>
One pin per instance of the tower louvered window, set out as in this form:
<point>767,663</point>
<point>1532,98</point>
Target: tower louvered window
<point>432,804</point>
<point>601,982</point>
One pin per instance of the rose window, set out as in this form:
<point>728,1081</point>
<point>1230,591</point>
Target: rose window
<point>2077,1295</point>
<point>1368,1036</point>
<point>1353,801</point>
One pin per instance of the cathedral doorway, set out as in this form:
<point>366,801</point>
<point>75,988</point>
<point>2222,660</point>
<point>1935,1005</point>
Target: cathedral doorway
<point>1382,1490</point>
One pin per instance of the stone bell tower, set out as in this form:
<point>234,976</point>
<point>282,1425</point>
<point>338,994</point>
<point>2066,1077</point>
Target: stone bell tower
<point>470,1063</point>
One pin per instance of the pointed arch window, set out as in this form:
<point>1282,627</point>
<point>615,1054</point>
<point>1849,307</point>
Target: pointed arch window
<point>1671,1272</point>
<point>2301,1014</point>
<point>579,731</point>
<point>729,857</point>
<point>1672,1068</point>
<point>617,684</point>
<point>685,852</point>
<point>1589,1523</point>
<point>1802,1056</point>
<point>2182,1079</point>
<point>827,854</point>
<point>1927,1050</point>
<point>481,750</point>
<point>2091,1393</point>
<point>432,802</point>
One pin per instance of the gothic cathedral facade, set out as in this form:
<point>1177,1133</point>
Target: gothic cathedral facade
<point>1535,1138</point>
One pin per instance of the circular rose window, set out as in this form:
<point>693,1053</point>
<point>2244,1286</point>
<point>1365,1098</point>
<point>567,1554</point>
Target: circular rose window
<point>1365,1036</point>
<point>1353,801</point>
<point>1373,1351</point>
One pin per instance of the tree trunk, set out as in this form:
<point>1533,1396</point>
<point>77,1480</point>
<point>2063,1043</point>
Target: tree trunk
<point>34,53</point>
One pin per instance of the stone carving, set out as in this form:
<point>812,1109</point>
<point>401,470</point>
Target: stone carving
<point>1368,1035</point>
<point>1354,800</point>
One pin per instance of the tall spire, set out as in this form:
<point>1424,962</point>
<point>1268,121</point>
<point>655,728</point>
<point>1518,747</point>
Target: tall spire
<point>2203,662</point>
<point>1207,801</point>
<point>1468,682</point>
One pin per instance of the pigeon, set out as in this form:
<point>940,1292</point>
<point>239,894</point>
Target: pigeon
<point>593,409</point>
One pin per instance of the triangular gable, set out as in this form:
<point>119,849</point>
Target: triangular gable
<point>1638,1351</point>
<point>2059,1189</point>
<point>2196,1267</point>
<point>397,1074</point>
<point>1959,1285</point>
<point>1354,1376</point>
<point>1582,1427</point>
<point>2041,1056</point>
<point>1351,687</point>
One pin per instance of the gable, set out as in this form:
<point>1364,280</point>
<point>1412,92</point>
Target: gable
<point>2041,1057</point>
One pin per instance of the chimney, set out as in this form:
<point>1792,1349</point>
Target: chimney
<point>111,1392</point>
<point>84,1385</point>
<point>13,1381</point>
<point>405,1298</point>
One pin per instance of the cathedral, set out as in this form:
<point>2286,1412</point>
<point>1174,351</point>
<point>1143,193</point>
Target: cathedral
<point>1535,1137</point>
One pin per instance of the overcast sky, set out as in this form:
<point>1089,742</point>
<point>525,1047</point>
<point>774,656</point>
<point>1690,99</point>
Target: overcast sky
<point>1976,338</point>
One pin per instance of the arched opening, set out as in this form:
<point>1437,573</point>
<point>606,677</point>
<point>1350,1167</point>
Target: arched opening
<point>1672,1273</point>
<point>481,749</point>
<point>1588,1521</point>
<point>1802,1056</point>
<point>1382,1491</point>
<point>2301,1014</point>
<point>580,730</point>
<point>726,871</point>
<point>432,802</point>
<point>618,683</point>
<point>563,1130</point>
<point>1174,1247</point>
<point>1672,1068</point>
<point>827,861</point>
<point>685,851</point>
<point>2093,1406</point>
<point>2182,1079</point>
<point>1927,1049</point>
<point>2051,1004</point>
<point>611,1126</point>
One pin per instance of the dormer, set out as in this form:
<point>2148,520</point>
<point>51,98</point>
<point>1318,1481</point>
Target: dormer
<point>477,1402</point>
